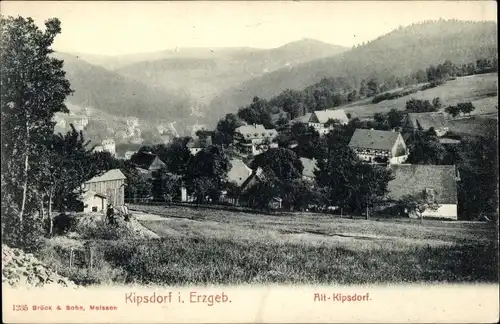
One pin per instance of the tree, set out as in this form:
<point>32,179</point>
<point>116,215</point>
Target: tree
<point>419,106</point>
<point>282,170</point>
<point>34,87</point>
<point>452,110</point>
<point>226,127</point>
<point>290,101</point>
<point>372,86</point>
<point>256,113</point>
<point>418,204</point>
<point>369,185</point>
<point>436,103</point>
<point>207,172</point>
<point>395,118</point>
<point>466,107</point>
<point>425,148</point>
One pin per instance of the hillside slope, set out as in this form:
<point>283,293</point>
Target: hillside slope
<point>117,95</point>
<point>398,53</point>
<point>205,73</point>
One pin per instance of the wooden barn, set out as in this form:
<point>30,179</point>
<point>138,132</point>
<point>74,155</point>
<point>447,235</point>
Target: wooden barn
<point>111,184</point>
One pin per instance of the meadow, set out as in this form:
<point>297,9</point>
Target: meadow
<point>205,246</point>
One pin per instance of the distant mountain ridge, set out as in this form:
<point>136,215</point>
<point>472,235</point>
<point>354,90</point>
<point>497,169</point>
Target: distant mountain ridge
<point>399,53</point>
<point>213,71</point>
<point>117,95</point>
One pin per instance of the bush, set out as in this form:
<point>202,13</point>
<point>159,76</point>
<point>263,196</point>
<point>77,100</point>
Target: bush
<point>64,223</point>
<point>105,231</point>
<point>28,236</point>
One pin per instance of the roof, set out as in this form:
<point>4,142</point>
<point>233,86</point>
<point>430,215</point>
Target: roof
<point>90,194</point>
<point>256,131</point>
<point>146,160</point>
<point>302,119</point>
<point>415,178</point>
<point>373,139</point>
<point>324,115</point>
<point>309,167</point>
<point>239,172</point>
<point>449,141</point>
<point>110,175</point>
<point>427,120</point>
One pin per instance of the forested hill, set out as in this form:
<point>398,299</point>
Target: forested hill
<point>207,73</point>
<point>397,54</point>
<point>117,95</point>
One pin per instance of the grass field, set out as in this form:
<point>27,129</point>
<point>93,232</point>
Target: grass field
<point>481,90</point>
<point>202,246</point>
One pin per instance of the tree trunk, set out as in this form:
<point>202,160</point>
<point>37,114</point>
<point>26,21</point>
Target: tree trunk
<point>42,211</point>
<point>25,188</point>
<point>50,215</point>
<point>25,174</point>
<point>367,216</point>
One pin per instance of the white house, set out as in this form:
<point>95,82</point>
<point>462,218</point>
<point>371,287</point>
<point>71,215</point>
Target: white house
<point>109,145</point>
<point>254,139</point>
<point>437,181</point>
<point>318,119</point>
<point>93,202</point>
<point>376,146</point>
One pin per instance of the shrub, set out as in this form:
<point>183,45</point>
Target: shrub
<point>64,223</point>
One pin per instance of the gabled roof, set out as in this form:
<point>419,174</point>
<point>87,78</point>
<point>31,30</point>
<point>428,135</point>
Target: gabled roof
<point>114,174</point>
<point>239,172</point>
<point>426,120</point>
<point>145,160</point>
<point>373,139</point>
<point>309,167</point>
<point>324,115</point>
<point>90,194</point>
<point>302,119</point>
<point>413,179</point>
<point>255,131</point>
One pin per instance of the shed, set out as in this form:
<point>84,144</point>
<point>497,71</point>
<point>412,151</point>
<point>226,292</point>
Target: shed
<point>110,184</point>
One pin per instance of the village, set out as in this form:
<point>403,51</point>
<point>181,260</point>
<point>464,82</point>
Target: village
<point>304,163</point>
<point>385,148</point>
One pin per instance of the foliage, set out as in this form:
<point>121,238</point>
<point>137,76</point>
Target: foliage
<point>420,106</point>
<point>425,148</point>
<point>207,172</point>
<point>460,108</point>
<point>418,204</point>
<point>34,88</point>
<point>258,112</point>
<point>225,129</point>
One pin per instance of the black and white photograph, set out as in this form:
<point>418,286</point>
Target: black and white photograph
<point>248,143</point>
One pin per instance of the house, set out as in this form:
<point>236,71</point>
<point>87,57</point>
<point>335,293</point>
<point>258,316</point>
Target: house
<point>93,201</point>
<point>147,161</point>
<point>197,144</point>
<point>319,118</point>
<point>254,139</point>
<point>310,166</point>
<point>109,145</point>
<point>439,181</point>
<point>239,172</point>
<point>110,184</point>
<point>377,146</point>
<point>426,121</point>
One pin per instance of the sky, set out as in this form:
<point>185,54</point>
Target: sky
<point>117,28</point>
